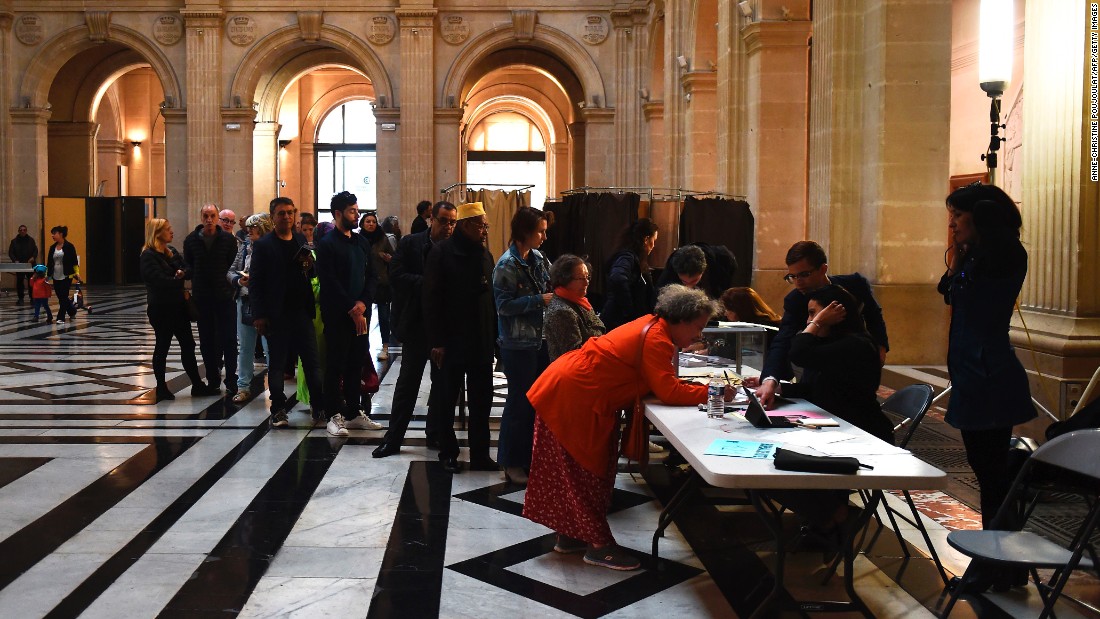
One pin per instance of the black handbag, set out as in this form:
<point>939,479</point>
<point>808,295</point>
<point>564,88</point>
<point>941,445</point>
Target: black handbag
<point>787,460</point>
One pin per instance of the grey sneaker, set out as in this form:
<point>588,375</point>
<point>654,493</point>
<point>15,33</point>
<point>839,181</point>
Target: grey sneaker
<point>279,420</point>
<point>362,422</point>
<point>569,545</point>
<point>335,426</point>
<point>613,557</point>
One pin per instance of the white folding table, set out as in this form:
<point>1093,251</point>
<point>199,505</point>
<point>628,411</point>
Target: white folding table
<point>691,432</point>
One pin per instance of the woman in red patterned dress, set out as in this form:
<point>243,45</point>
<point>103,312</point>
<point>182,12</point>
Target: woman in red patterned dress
<point>577,402</point>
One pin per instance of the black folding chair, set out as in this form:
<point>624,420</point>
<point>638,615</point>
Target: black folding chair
<point>1070,457</point>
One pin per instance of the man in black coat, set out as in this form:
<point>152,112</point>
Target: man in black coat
<point>347,288</point>
<point>807,269</point>
<point>209,252</point>
<point>22,249</point>
<point>283,308</point>
<point>460,322</point>
<point>407,279</point>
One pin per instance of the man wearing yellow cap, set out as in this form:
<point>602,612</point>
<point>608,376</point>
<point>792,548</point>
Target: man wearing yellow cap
<point>460,320</point>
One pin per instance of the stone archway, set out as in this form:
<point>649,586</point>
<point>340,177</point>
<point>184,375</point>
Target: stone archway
<point>270,68</point>
<point>553,53</point>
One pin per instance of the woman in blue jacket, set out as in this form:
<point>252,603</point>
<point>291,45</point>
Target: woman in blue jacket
<point>521,289</point>
<point>990,392</point>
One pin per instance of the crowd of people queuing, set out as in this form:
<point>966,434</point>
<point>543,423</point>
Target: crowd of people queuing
<point>293,290</point>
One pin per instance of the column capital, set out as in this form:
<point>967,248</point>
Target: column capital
<point>759,35</point>
<point>699,81</point>
<point>388,114</point>
<point>174,115</point>
<point>598,114</point>
<point>416,18</point>
<point>238,114</point>
<point>653,109</point>
<point>202,18</point>
<point>30,115</point>
<point>445,115</point>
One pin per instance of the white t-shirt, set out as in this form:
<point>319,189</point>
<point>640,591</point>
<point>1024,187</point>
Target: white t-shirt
<point>58,264</point>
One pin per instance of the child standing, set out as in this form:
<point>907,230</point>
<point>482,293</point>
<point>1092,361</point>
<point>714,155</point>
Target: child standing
<point>41,291</point>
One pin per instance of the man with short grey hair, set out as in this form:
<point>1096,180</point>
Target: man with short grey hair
<point>209,251</point>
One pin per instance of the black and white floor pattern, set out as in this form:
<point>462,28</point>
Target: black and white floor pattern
<point>113,506</point>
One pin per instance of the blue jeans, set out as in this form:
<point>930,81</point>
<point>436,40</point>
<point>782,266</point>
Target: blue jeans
<point>246,355</point>
<point>517,425</point>
<point>40,304</point>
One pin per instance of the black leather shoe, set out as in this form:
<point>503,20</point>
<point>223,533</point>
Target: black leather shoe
<point>164,393</point>
<point>483,464</point>
<point>203,390</point>
<point>451,465</point>
<point>385,449</point>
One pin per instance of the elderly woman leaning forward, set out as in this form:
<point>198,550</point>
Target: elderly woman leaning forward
<point>577,402</point>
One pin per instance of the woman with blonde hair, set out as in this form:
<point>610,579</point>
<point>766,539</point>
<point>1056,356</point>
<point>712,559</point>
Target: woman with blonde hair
<point>257,226</point>
<point>163,271</point>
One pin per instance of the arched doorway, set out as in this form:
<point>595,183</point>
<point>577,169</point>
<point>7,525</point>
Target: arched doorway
<point>345,152</point>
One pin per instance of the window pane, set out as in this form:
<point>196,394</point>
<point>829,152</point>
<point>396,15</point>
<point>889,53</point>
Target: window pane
<point>356,173</point>
<point>324,184</point>
<point>360,126</point>
<point>332,128</point>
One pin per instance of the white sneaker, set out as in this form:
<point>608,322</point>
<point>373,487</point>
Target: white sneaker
<point>335,426</point>
<point>654,448</point>
<point>362,422</point>
<point>385,354</point>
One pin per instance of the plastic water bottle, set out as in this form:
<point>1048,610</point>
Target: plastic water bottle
<point>716,400</point>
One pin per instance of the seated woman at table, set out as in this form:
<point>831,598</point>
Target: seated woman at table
<point>841,375</point>
<point>742,304</point>
<point>577,402</point>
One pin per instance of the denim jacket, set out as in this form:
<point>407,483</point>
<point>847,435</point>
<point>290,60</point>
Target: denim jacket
<point>517,288</point>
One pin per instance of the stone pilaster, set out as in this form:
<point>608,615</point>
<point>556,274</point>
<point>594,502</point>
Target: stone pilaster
<point>448,158</point>
<point>1059,203</point>
<point>204,126</point>
<point>267,160</point>
<point>677,22</point>
<point>29,172</point>
<point>654,112</point>
<point>237,183</point>
<point>776,103</point>
<point>631,39</point>
<point>417,129</point>
<point>730,86</point>
<point>176,164</point>
<point>700,117</point>
<point>8,224</point>
<point>599,140</point>
<point>879,137</point>
<point>390,161</point>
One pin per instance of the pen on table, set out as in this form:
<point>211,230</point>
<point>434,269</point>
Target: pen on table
<point>904,422</point>
<point>866,466</point>
<point>808,426</point>
<point>727,375</point>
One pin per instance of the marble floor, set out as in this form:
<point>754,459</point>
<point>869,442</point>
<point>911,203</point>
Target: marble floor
<point>113,506</point>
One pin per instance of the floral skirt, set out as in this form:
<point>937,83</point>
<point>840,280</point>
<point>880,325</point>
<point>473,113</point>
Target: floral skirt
<point>563,495</point>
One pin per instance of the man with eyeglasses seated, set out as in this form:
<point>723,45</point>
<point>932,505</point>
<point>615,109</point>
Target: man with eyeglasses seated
<point>808,270</point>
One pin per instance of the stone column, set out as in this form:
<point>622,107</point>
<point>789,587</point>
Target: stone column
<point>305,194</point>
<point>631,146</point>
<point>879,138</point>
<point>557,169</point>
<point>577,152</point>
<point>266,160</point>
<point>776,100</point>
<point>72,158</point>
<point>700,118</point>
<point>390,161</point>
<point>237,184</point>
<point>731,122</point>
<point>110,154</point>
<point>8,223</point>
<point>204,126</point>
<point>417,130</point>
<point>179,209</point>
<point>599,140</point>
<point>1060,202</point>
<point>29,170</point>
<point>677,23</point>
<point>655,127</point>
<point>448,159</point>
